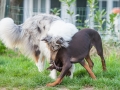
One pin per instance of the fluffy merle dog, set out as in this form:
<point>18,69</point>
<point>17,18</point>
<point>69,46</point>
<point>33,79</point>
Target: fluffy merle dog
<point>78,50</point>
<point>27,36</point>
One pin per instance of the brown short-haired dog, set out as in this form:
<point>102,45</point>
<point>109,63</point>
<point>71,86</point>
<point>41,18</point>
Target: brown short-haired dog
<point>77,50</point>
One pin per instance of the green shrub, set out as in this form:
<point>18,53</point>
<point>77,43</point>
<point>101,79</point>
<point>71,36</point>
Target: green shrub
<point>2,48</point>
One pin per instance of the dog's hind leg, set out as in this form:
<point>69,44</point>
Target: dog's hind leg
<point>98,46</point>
<point>103,61</point>
<point>90,63</point>
<point>84,64</point>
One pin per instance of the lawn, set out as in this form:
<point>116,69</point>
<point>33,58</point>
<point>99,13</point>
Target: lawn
<point>19,73</point>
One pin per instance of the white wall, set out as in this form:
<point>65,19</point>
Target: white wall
<point>66,16</point>
<point>27,9</point>
<point>2,8</point>
<point>48,6</point>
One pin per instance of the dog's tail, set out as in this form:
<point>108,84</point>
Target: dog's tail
<point>9,32</point>
<point>97,42</point>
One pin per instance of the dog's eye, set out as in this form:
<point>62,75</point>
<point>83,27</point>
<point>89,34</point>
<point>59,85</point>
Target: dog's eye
<point>57,45</point>
<point>61,38</point>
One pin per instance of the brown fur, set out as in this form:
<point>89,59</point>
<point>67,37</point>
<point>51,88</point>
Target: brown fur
<point>78,50</point>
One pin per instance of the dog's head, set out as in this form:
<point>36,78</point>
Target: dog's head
<point>54,44</point>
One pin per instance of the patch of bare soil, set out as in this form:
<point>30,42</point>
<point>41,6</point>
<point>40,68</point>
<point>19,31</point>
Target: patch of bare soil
<point>88,88</point>
<point>8,89</point>
<point>56,88</point>
<point>42,88</point>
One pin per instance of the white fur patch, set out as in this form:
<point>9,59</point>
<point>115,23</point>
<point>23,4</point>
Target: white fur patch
<point>72,69</point>
<point>53,74</point>
<point>40,65</point>
<point>62,29</point>
<point>26,35</point>
<point>9,33</point>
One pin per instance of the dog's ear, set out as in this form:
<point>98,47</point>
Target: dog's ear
<point>47,38</point>
<point>60,41</point>
<point>65,44</point>
<point>44,39</point>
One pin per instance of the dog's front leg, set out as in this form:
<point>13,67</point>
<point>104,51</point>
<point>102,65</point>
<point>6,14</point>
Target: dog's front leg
<point>72,69</point>
<point>65,69</point>
<point>41,63</point>
<point>53,74</point>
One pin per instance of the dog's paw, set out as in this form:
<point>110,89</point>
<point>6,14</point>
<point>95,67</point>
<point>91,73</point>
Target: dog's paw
<point>57,81</point>
<point>50,84</point>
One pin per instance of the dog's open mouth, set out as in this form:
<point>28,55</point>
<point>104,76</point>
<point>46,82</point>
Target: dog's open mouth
<point>54,66</point>
<point>58,67</point>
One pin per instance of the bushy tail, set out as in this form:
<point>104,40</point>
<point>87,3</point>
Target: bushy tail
<point>9,32</point>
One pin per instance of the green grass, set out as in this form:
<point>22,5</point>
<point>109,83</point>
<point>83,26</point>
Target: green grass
<point>19,73</point>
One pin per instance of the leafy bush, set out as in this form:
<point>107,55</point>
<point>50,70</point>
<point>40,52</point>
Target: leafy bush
<point>2,48</point>
<point>55,11</point>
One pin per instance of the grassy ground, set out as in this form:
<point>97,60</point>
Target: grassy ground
<point>19,73</point>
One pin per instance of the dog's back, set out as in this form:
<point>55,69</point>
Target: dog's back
<point>82,41</point>
<point>77,50</point>
<point>95,40</point>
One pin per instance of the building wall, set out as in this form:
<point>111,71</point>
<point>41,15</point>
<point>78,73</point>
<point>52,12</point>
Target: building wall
<point>33,7</point>
<point>2,8</point>
<point>29,10</point>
